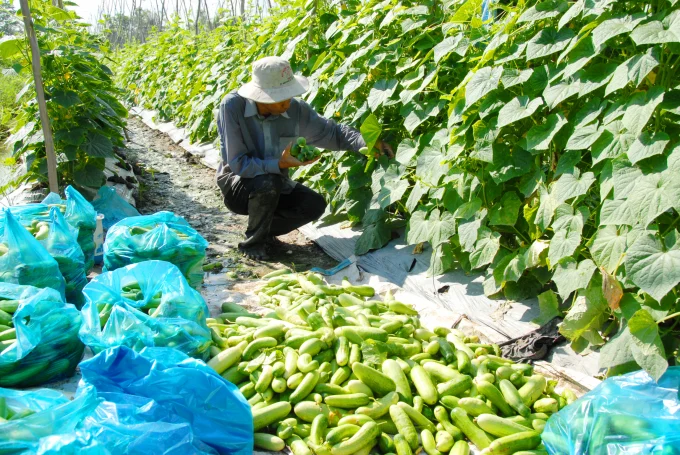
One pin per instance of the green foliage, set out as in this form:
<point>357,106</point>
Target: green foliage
<point>82,101</point>
<point>538,149</point>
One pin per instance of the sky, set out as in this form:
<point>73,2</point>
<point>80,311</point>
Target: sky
<point>88,8</point>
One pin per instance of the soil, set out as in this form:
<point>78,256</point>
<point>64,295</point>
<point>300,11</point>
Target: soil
<point>172,179</point>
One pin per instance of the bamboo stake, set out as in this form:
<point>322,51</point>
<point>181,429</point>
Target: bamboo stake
<point>40,92</point>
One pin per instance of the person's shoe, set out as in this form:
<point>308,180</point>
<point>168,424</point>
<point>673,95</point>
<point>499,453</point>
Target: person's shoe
<point>257,251</point>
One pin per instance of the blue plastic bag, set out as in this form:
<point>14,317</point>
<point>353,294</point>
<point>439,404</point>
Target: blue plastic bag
<point>112,206</point>
<point>23,260</point>
<point>80,214</point>
<point>163,236</point>
<point>77,443</point>
<point>145,305</point>
<point>60,240</point>
<point>161,401</point>
<point>50,413</point>
<point>629,414</point>
<point>47,346</point>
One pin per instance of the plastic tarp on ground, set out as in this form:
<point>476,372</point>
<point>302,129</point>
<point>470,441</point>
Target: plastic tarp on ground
<point>80,214</point>
<point>149,304</point>
<point>158,401</point>
<point>162,236</point>
<point>630,414</point>
<point>47,346</point>
<point>23,260</point>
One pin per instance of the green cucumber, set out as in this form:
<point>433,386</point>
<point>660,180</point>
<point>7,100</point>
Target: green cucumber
<point>366,436</point>
<point>379,407</point>
<point>402,446</point>
<point>429,444</point>
<point>424,385</point>
<point>305,387</point>
<point>405,426</point>
<point>380,383</point>
<point>271,414</point>
<point>268,442</point>
<point>495,396</point>
<point>499,426</point>
<point>347,401</point>
<point>508,445</point>
<point>473,432</point>
<point>512,397</point>
<point>418,419</point>
<point>392,370</point>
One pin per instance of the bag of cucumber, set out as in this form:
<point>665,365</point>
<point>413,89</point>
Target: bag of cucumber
<point>38,336</point>
<point>80,214</point>
<point>162,236</point>
<point>146,304</point>
<point>49,227</point>
<point>331,370</point>
<point>23,260</point>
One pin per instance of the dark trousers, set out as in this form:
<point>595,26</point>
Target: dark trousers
<point>270,213</point>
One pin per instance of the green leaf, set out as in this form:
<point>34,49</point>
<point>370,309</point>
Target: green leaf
<point>65,99</point>
<point>430,168</point>
<point>540,136</point>
<point>607,247</point>
<point>652,195</point>
<point>484,133</point>
<point>647,347</point>
<point>635,70</point>
<point>515,268</point>
<point>97,145</point>
<point>613,143</point>
<point>418,230</point>
<point>570,276</point>
<point>658,32</point>
<point>549,308</point>
<point>442,260</point>
<point>616,26</point>
<point>548,41</point>
<point>517,109</point>
<point>370,131</point>
<point>10,46</point>
<point>617,212</point>
<point>481,83</point>
<point>584,137</point>
<point>569,186</point>
<point>354,82</point>
<point>421,113</point>
<point>574,11</point>
<point>652,266</point>
<point>512,76</point>
<point>594,77</point>
<point>442,227</point>
<point>568,226</point>
<point>458,44</point>
<point>647,145</point>
<point>543,10</point>
<point>407,150</point>
<point>467,234</point>
<point>617,351</point>
<point>468,209</point>
<point>506,211</point>
<point>556,93</point>
<point>392,187</point>
<point>535,255</point>
<point>567,163</point>
<point>90,175</point>
<point>640,108</point>
<point>488,244</point>
<point>376,233</point>
<point>414,198</point>
<point>589,312</point>
<point>381,92</point>
<point>546,208</point>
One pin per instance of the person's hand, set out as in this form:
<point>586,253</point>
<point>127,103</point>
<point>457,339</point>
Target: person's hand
<point>385,149</point>
<point>287,160</point>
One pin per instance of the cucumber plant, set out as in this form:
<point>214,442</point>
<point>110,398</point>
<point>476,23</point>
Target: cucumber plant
<point>537,148</point>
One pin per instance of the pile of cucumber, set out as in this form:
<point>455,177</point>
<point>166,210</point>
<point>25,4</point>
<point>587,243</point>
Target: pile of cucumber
<point>304,152</point>
<point>8,412</point>
<point>331,371</point>
<point>132,291</point>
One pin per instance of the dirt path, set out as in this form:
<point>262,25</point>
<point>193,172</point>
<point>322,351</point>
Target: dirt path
<point>173,180</point>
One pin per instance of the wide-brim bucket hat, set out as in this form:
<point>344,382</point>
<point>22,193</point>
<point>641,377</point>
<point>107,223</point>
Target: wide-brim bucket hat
<point>273,81</point>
